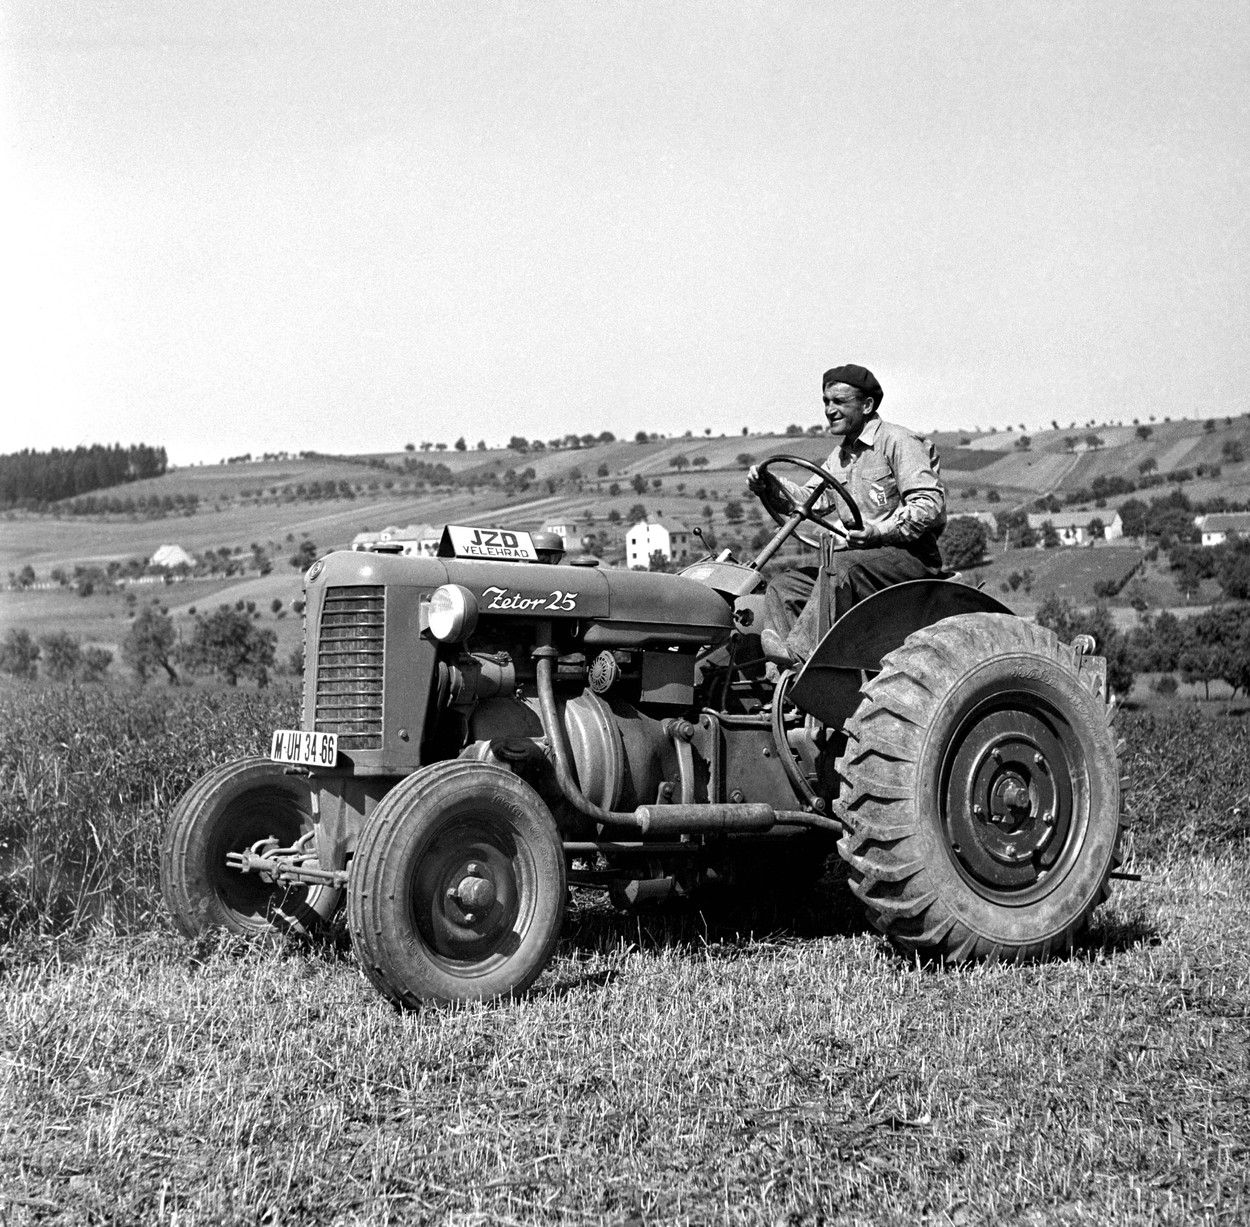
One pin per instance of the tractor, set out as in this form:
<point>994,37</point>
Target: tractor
<point>484,729</point>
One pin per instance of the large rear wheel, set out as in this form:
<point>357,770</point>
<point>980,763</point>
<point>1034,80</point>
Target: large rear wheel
<point>457,888</point>
<point>232,808</point>
<point>982,791</point>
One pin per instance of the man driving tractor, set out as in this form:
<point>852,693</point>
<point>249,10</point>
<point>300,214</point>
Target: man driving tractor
<point>894,477</point>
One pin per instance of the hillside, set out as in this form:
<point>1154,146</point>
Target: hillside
<point>273,505</point>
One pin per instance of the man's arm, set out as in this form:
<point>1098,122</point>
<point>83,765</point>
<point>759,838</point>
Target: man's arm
<point>922,497</point>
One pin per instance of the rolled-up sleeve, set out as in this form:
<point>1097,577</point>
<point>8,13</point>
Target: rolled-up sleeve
<point>922,498</point>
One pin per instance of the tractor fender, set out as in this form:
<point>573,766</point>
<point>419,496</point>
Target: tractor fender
<point>827,686</point>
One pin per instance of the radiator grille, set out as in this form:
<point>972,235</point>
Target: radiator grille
<point>349,667</point>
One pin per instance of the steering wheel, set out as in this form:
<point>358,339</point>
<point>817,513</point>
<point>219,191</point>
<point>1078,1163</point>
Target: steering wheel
<point>782,506</point>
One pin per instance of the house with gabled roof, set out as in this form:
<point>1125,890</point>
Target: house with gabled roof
<point>1218,526</point>
<point>1074,527</point>
<point>419,539</point>
<point>672,541</point>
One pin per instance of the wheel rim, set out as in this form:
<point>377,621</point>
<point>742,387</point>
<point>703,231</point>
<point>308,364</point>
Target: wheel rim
<point>473,894</point>
<point>1014,798</point>
<point>255,816</point>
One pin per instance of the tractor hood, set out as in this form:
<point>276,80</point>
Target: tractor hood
<point>683,610</point>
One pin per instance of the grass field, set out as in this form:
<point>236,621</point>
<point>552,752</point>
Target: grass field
<point>757,1066</point>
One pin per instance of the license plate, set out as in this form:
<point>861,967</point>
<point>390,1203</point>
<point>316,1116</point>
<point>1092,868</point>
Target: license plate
<point>304,748</point>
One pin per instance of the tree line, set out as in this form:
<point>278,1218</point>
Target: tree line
<point>1209,647</point>
<point>34,480</point>
<point>226,643</point>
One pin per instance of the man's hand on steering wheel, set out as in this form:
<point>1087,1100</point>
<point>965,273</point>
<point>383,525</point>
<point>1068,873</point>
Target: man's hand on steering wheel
<point>864,538</point>
<point>780,503</point>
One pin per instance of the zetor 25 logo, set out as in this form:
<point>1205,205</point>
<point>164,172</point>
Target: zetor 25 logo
<point>508,599</point>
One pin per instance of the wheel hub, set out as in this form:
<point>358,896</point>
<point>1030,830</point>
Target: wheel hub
<point>1008,799</point>
<point>474,894</point>
<point>469,898</point>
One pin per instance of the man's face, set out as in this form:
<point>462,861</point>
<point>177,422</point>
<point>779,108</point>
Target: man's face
<point>843,411</point>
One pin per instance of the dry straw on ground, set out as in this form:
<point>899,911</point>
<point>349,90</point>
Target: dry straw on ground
<point>755,1068</point>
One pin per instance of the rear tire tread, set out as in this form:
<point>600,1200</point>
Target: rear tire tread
<point>883,843</point>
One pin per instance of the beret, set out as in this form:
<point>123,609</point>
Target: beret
<point>858,377</point>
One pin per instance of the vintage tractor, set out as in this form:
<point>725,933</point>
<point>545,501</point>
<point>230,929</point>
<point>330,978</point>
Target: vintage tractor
<point>484,729</point>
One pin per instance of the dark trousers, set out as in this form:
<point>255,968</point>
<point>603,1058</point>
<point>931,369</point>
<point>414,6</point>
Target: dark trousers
<point>852,575</point>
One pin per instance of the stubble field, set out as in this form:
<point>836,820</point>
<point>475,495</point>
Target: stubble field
<point>755,1066</point>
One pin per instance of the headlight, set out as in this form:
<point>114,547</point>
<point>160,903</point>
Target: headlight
<point>452,613</point>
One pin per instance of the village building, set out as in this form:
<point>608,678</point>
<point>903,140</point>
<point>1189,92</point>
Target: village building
<point>1218,526</point>
<point>1073,527</point>
<point>416,539</point>
<point>169,557</point>
<point>647,537</point>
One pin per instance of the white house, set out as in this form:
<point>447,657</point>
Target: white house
<point>171,556</point>
<point>1072,527</point>
<point>1217,527</point>
<point>646,537</point>
<point>419,539</point>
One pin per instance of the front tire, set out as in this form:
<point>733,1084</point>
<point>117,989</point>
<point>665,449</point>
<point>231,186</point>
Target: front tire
<point>228,810</point>
<point>982,792</point>
<point>457,888</point>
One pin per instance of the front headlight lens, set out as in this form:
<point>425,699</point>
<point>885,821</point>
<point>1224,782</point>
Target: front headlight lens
<point>452,613</point>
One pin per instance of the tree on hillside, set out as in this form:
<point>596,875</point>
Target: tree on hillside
<point>149,645</point>
<point>963,542</point>
<point>94,663</point>
<point>699,462</point>
<point>19,654</point>
<point>1133,517</point>
<point>228,643</point>
<point>636,513</point>
<point>733,511</point>
<point>1070,442</point>
<point>460,445</point>
<point>1024,442</point>
<point>680,461</point>
<point>1144,432</point>
<point>1093,441</point>
<point>305,555</point>
<point>1217,646</point>
<point>639,483</point>
<point>1148,465</point>
<point>61,655</point>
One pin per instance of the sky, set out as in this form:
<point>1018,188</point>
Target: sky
<point>231,227</point>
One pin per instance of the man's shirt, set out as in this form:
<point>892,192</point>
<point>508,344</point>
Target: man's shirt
<point>894,477</point>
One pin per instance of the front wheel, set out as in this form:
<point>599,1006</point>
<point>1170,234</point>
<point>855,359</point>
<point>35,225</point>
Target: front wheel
<point>982,791</point>
<point>457,888</point>
<point>230,809</point>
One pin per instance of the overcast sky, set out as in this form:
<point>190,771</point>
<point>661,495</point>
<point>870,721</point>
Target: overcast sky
<point>233,227</point>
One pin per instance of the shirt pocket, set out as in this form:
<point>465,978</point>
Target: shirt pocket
<point>876,490</point>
